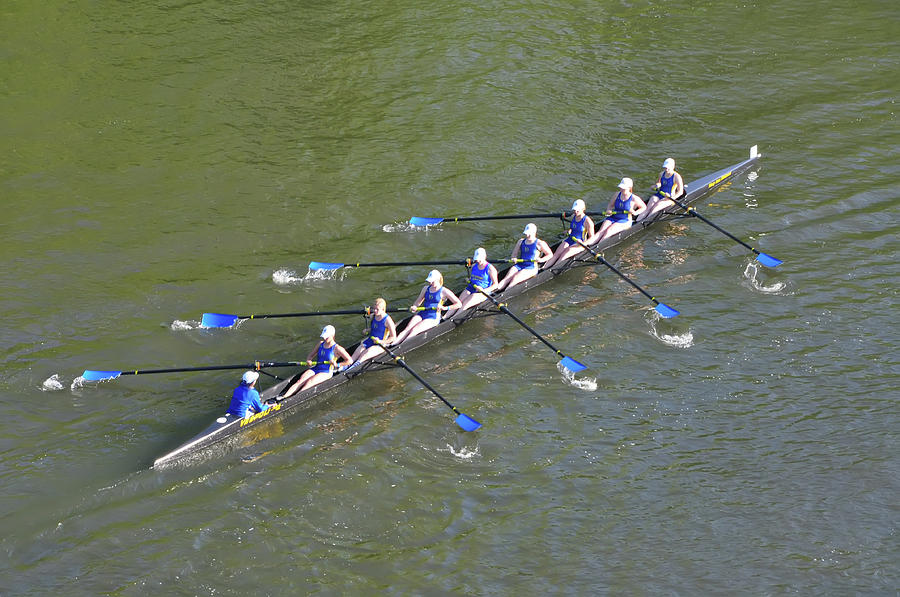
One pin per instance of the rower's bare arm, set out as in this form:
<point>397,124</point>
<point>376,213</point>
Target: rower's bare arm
<point>456,303</point>
<point>346,359</point>
<point>419,300</point>
<point>392,330</point>
<point>637,204</point>
<point>515,251</point>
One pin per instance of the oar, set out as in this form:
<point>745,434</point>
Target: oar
<point>323,265</point>
<point>766,260</point>
<point>417,221</point>
<point>567,362</point>
<point>661,308</point>
<point>223,320</point>
<point>466,422</point>
<point>91,375</point>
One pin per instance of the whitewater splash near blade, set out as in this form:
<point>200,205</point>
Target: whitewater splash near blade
<point>683,340</point>
<point>751,277</point>
<point>404,227</point>
<point>287,277</point>
<point>463,453</point>
<point>180,326</point>
<point>77,383</point>
<point>52,384</point>
<point>588,384</point>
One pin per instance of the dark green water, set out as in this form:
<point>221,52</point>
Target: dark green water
<point>162,160</point>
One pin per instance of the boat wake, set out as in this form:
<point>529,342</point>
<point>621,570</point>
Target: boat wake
<point>684,340</point>
<point>463,453</point>
<point>287,277</point>
<point>52,384</point>
<point>588,384</point>
<point>751,277</point>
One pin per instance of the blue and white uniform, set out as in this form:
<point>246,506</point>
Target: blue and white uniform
<point>479,276</point>
<point>243,399</point>
<point>433,301</point>
<point>621,205</point>
<point>666,185</point>
<point>324,356</point>
<point>577,230</point>
<point>529,254</point>
<point>378,330</point>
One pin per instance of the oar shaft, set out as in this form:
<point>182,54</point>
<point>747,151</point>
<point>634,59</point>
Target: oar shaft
<point>404,263</point>
<point>253,366</point>
<point>697,214</point>
<point>521,323</point>
<point>317,313</point>
<point>526,216</point>
<point>615,270</point>
<point>399,360</point>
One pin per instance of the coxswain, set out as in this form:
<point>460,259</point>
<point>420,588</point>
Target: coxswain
<point>481,275</point>
<point>624,205</point>
<point>433,295</point>
<point>381,331</point>
<point>245,398</point>
<point>324,355</point>
<point>581,228</point>
<point>669,186</point>
<point>528,253</point>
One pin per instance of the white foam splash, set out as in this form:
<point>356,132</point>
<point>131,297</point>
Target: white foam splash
<point>77,383</point>
<point>179,325</point>
<point>751,273</point>
<point>753,176</point>
<point>463,453</point>
<point>684,340</point>
<point>52,383</point>
<point>403,227</point>
<point>286,277</point>
<point>589,384</point>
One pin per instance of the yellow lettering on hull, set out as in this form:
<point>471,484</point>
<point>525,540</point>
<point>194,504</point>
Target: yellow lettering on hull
<point>257,416</point>
<point>718,180</point>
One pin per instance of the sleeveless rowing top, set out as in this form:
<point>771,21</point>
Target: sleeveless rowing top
<point>621,205</point>
<point>433,301</point>
<point>528,253</point>
<point>379,328</point>
<point>324,357</point>
<point>577,230</point>
<point>667,184</point>
<point>479,276</point>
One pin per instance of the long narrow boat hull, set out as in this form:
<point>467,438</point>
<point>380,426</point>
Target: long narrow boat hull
<point>228,428</point>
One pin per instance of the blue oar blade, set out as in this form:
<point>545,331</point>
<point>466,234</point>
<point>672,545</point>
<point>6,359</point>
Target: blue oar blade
<point>100,375</point>
<point>768,260</point>
<point>467,423</point>
<point>572,365</point>
<point>218,320</point>
<point>324,265</point>
<point>416,221</point>
<point>666,311</point>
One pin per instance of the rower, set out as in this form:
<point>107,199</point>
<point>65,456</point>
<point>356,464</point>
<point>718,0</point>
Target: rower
<point>324,356</point>
<point>482,274</point>
<point>433,294</point>
<point>245,398</point>
<point>669,186</point>
<point>581,228</point>
<point>381,330</point>
<point>528,253</point>
<point>624,205</point>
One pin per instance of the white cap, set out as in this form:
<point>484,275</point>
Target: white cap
<point>669,163</point>
<point>480,254</point>
<point>530,230</point>
<point>250,377</point>
<point>433,276</point>
<point>578,205</point>
<point>626,183</point>
<point>327,332</point>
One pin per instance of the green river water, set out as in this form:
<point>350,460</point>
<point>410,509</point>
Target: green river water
<point>165,159</point>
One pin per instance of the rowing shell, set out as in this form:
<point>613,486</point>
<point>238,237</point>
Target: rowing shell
<point>228,429</point>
